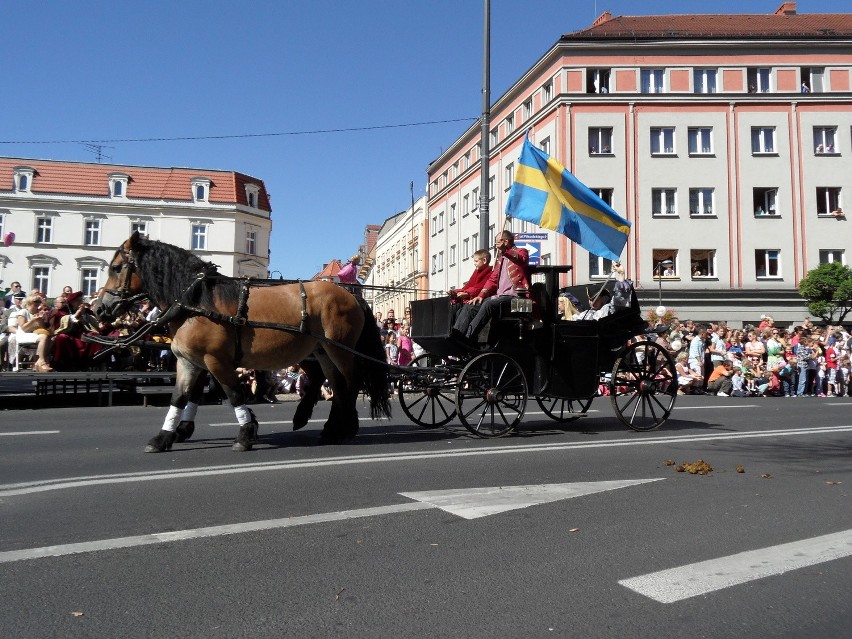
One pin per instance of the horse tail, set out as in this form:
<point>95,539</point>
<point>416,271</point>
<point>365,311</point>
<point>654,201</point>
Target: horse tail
<point>372,368</point>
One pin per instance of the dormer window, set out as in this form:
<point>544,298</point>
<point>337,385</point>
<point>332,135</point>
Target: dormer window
<point>23,178</point>
<point>200,190</point>
<point>118,184</point>
<point>252,192</point>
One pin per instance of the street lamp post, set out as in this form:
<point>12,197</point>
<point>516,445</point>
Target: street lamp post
<point>661,310</point>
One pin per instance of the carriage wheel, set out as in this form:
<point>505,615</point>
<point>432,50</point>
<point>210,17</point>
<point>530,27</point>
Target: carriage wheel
<point>563,410</point>
<point>643,386</point>
<point>492,395</point>
<point>426,396</point>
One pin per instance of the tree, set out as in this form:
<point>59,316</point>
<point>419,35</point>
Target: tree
<point>828,290</point>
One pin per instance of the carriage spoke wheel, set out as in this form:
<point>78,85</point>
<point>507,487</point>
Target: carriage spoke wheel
<point>563,410</point>
<point>643,386</point>
<point>426,391</point>
<point>491,395</point>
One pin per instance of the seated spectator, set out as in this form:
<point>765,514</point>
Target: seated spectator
<point>738,383</point>
<point>70,352</point>
<point>687,383</point>
<point>29,322</point>
<point>719,381</point>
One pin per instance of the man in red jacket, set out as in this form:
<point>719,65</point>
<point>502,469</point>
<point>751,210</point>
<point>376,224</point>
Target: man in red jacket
<point>509,278</point>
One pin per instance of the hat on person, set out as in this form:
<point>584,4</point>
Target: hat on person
<point>74,296</point>
<point>19,295</point>
<point>355,258</point>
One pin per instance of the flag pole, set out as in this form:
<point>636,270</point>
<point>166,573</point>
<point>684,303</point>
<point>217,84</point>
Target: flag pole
<point>485,135</point>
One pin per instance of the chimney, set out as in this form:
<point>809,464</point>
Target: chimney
<point>606,16</point>
<point>786,9</point>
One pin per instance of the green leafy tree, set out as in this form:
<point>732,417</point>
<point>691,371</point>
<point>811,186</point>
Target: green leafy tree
<point>828,291</point>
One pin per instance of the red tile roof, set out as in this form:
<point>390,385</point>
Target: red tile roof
<point>329,270</point>
<point>718,26</point>
<point>156,183</point>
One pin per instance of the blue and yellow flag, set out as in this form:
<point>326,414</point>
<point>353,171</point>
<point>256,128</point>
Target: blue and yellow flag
<point>546,193</point>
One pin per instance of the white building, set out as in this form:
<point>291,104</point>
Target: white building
<point>68,218</point>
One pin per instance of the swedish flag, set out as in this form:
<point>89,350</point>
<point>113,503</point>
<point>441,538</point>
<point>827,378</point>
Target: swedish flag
<point>546,193</point>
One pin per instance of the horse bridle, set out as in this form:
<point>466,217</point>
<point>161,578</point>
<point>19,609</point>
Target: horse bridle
<point>123,292</point>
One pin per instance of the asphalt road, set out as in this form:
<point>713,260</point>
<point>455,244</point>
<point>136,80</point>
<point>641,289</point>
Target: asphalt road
<point>398,535</point>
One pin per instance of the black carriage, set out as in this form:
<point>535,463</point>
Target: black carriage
<point>527,352</point>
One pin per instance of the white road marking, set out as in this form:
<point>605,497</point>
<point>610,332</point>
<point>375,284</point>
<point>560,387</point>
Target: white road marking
<point>30,432</point>
<point>198,533</point>
<point>25,488</point>
<point>469,503</point>
<point>472,503</point>
<point>676,584</point>
<point>715,406</point>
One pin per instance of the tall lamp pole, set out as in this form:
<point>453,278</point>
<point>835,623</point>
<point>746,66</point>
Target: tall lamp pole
<point>485,134</point>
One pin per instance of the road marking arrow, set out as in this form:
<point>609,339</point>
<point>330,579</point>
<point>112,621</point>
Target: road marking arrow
<point>471,503</point>
<point>474,502</point>
<point>531,249</point>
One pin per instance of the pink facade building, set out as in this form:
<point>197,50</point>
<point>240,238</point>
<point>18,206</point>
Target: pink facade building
<point>725,139</point>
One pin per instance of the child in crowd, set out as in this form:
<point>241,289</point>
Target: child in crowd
<point>841,384</point>
<point>738,382</point>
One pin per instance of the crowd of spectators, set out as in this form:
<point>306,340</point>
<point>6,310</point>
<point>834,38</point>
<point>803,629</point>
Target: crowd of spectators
<point>764,360</point>
<point>56,329</point>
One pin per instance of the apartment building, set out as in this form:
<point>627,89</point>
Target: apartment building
<point>69,217</point>
<point>725,139</point>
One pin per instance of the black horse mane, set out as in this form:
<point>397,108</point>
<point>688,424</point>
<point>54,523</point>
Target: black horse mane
<point>167,272</point>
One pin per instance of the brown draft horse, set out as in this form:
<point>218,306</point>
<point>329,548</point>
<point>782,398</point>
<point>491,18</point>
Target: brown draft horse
<point>218,323</point>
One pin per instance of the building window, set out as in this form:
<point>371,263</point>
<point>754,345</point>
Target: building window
<point>813,79</point>
<point>604,194</point>
<point>597,81</point>
<point>23,178</point>
<point>434,225</point>
<point>600,140</point>
<point>41,278</point>
<point>465,249</point>
<point>89,281</point>
<point>765,201</point>
<point>547,93</point>
<point>824,139</point>
<point>491,189</point>
<point>140,227</point>
<point>662,140</point>
<point>492,138</point>
<point>700,140</point>
<point>762,139</point>
<point>767,263</point>
<point>474,241</point>
<point>475,199</point>
<point>527,109</point>
<point>252,195</point>
<point>434,264</point>
<point>758,80</point>
<point>599,266</point>
<point>827,256</point>
<point>251,242</point>
<point>544,145</point>
<point>510,176</point>
<point>92,235</point>
<point>652,80</point>
<point>703,262</point>
<point>44,231</point>
<point>828,200</point>
<point>453,255</point>
<point>200,190</point>
<point>663,202</point>
<point>664,263</point>
<point>510,123</point>
<point>118,184</point>
<point>491,237</point>
<point>452,214</point>
<point>465,205</point>
<point>704,80</point>
<point>199,237</point>
<point>701,202</point>
<point>440,221</point>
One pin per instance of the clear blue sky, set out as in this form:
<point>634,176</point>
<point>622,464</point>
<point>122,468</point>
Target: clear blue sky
<point>106,70</point>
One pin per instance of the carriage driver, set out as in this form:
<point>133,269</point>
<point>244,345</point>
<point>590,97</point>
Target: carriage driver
<point>509,278</point>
